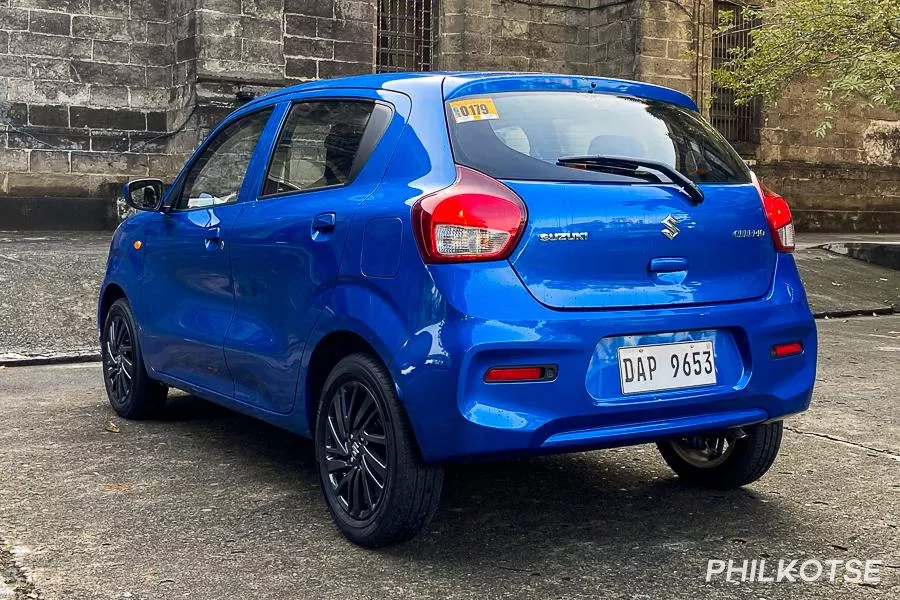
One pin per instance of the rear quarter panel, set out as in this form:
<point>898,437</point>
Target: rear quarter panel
<point>384,292</point>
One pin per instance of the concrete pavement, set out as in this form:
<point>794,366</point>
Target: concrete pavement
<point>811,240</point>
<point>209,504</point>
<point>48,291</point>
<point>838,285</point>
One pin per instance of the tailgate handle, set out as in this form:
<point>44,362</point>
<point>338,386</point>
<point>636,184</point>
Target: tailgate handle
<point>668,265</point>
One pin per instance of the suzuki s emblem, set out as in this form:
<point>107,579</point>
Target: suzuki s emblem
<point>670,227</point>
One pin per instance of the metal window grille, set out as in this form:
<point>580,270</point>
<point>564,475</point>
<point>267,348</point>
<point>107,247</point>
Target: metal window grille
<point>738,123</point>
<point>406,35</point>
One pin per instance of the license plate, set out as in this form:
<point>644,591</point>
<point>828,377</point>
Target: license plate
<point>666,366</point>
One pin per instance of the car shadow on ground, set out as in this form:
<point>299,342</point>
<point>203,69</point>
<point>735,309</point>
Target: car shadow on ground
<point>510,513</point>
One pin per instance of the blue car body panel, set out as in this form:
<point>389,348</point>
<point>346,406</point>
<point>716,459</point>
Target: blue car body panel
<point>239,324</point>
<point>285,271</point>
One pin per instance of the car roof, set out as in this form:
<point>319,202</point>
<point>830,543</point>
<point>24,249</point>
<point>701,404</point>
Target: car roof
<point>456,84</point>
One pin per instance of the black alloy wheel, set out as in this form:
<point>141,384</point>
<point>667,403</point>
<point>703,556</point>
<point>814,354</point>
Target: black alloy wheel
<point>356,450</point>
<point>131,391</point>
<point>373,478</point>
<point>118,360</point>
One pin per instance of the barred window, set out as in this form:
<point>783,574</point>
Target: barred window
<point>738,123</point>
<point>406,35</point>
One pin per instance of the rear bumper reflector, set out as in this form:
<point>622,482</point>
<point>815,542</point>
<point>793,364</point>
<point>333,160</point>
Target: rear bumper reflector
<point>519,374</point>
<point>789,349</point>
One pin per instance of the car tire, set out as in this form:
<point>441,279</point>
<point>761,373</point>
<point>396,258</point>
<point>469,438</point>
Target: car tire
<point>131,391</point>
<point>375,484</point>
<point>747,459</point>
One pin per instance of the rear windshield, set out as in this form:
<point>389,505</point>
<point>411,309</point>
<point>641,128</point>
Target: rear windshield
<point>521,135</point>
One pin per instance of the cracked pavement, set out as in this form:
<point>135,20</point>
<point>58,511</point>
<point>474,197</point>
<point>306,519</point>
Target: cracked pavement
<point>209,504</point>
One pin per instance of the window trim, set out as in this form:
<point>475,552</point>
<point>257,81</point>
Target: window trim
<point>185,174</point>
<point>371,137</point>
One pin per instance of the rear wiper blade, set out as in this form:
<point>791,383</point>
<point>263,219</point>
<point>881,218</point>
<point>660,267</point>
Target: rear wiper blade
<point>619,163</point>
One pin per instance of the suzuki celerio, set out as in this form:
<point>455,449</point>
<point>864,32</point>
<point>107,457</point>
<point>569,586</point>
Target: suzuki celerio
<point>416,269</point>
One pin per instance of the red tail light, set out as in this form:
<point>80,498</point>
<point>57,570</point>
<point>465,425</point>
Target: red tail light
<point>475,219</point>
<point>780,221</point>
<point>778,214</point>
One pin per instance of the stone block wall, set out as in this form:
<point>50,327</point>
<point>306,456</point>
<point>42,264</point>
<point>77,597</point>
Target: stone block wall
<point>675,47</point>
<point>96,92</point>
<point>585,37</point>
<point>615,38</point>
<point>846,180</point>
<point>324,38</point>
<point>84,86</point>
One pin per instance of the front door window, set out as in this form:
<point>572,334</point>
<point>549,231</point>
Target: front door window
<point>216,176</point>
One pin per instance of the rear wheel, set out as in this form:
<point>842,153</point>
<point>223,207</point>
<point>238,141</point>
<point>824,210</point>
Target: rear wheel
<point>724,461</point>
<point>131,392</point>
<point>377,488</point>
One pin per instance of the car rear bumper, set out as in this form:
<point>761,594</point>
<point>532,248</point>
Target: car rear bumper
<point>457,415</point>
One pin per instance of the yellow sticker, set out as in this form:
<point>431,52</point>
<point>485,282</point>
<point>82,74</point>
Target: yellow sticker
<point>473,109</point>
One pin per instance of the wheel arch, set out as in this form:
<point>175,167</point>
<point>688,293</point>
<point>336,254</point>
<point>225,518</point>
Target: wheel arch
<point>359,317</point>
<point>328,352</point>
<point>111,293</point>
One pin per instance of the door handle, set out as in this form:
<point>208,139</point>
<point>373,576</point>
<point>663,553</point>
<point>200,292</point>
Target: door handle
<point>213,239</point>
<point>324,222</point>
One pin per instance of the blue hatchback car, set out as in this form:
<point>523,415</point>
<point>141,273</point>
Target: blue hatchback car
<point>419,269</point>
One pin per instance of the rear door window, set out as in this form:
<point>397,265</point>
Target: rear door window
<point>521,135</point>
<point>319,145</point>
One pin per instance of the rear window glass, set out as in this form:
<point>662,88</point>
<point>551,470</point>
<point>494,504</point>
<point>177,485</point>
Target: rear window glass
<point>521,135</point>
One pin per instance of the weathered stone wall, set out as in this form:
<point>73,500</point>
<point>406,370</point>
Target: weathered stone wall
<point>675,46</point>
<point>83,83</point>
<point>615,38</point>
<point>590,37</point>
<point>848,179</point>
<point>95,92</point>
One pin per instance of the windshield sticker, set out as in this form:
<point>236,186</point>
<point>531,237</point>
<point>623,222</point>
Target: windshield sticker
<point>473,109</point>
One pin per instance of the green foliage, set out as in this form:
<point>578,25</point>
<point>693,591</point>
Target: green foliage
<point>850,47</point>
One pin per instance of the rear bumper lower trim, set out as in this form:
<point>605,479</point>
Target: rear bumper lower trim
<point>652,430</point>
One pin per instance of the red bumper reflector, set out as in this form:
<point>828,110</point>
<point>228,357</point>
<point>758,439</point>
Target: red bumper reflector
<point>789,349</point>
<point>501,374</point>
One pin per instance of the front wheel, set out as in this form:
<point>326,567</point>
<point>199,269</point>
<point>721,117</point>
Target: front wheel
<point>131,392</point>
<point>725,461</point>
<point>377,488</point>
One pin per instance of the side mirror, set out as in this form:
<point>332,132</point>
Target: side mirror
<point>144,194</point>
